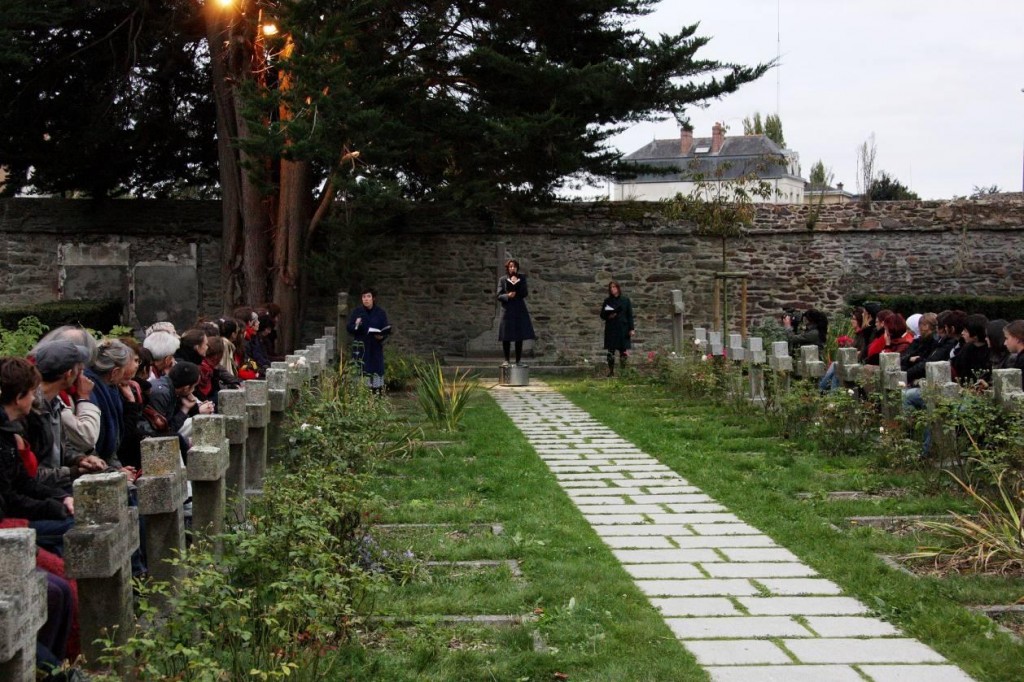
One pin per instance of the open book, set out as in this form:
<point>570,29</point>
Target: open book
<point>609,308</point>
<point>374,330</point>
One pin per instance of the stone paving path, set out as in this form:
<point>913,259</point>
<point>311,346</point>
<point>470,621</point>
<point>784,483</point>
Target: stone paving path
<point>746,608</point>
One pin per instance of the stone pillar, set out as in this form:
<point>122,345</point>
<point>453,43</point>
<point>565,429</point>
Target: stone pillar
<point>736,352</point>
<point>891,380</point>
<point>938,384</point>
<point>1006,384</point>
<point>296,375</point>
<point>736,356</point>
<point>755,356</point>
<point>677,321</point>
<point>810,367</point>
<point>847,367</point>
<point>22,604</point>
<point>98,554</point>
<point>331,335</point>
<point>162,492</point>
<point>257,409</point>
<point>231,404</point>
<point>781,363</point>
<point>279,398</point>
<point>306,364</point>
<point>316,367</point>
<point>715,343</point>
<point>700,340</point>
<point>207,465</point>
<point>320,350</point>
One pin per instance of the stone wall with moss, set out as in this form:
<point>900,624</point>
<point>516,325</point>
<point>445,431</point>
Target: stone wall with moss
<point>436,275</point>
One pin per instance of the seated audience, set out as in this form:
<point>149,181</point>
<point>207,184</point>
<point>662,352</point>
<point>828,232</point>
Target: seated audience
<point>161,345</point>
<point>970,359</point>
<point>49,510</point>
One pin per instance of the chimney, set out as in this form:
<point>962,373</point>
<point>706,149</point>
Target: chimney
<point>717,138</point>
<point>685,141</point>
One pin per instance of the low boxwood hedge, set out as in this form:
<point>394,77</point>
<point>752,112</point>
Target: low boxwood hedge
<point>992,307</point>
<point>101,315</point>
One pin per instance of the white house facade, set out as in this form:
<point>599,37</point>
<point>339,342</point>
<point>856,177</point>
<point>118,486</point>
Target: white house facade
<point>669,167</point>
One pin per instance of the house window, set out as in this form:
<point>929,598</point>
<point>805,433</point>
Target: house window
<point>702,150</point>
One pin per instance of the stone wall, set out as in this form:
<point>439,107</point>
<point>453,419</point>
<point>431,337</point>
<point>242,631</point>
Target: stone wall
<point>436,276</point>
<point>51,249</point>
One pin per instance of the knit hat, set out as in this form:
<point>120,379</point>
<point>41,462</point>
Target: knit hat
<point>56,357</point>
<point>183,373</point>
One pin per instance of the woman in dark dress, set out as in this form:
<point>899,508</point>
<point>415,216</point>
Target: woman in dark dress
<point>617,313</point>
<point>368,324</point>
<point>516,326</point>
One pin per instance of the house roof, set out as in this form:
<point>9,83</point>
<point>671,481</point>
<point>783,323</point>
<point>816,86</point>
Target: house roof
<point>740,155</point>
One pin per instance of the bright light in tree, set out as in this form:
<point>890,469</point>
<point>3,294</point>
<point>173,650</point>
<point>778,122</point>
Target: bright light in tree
<point>270,29</point>
<point>226,3</point>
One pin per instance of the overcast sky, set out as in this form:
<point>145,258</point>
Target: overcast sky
<point>938,82</point>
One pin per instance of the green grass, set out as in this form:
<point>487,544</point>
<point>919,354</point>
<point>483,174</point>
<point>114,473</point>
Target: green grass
<point>736,458</point>
<point>594,621</point>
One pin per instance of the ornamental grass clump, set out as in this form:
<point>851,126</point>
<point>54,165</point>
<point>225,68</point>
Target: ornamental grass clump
<point>992,540</point>
<point>444,400</point>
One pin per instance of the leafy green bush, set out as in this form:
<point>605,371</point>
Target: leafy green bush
<point>294,582</point>
<point>19,341</point>
<point>89,314</point>
<point>400,369</point>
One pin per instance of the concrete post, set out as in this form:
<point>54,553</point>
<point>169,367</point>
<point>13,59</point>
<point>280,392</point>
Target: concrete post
<point>1006,384</point>
<point>98,553</point>
<point>207,466</point>
<point>755,356</point>
<point>847,367</point>
<point>162,492</point>
<point>257,409</point>
<point>810,367</point>
<point>938,385</point>
<point>22,604</point>
<point>279,398</point>
<point>297,371</point>
<point>331,334</point>
<point>316,367</point>
<point>781,363</point>
<point>715,343</point>
<point>677,321</point>
<point>891,379</point>
<point>700,340</point>
<point>231,404</point>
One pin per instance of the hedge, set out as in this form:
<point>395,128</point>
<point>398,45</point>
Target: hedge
<point>100,315</point>
<point>993,307</point>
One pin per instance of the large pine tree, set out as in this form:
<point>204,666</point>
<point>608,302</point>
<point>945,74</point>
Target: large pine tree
<point>467,102</point>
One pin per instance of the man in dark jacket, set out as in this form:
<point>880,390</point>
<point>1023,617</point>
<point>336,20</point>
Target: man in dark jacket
<point>48,510</point>
<point>171,396</point>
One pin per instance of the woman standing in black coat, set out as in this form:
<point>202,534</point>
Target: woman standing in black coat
<point>516,326</point>
<point>617,313</point>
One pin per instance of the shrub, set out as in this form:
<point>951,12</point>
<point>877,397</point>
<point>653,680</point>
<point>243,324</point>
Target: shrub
<point>19,341</point>
<point>444,401</point>
<point>295,582</point>
<point>993,307</point>
<point>993,539</point>
<point>400,369</point>
<point>89,314</point>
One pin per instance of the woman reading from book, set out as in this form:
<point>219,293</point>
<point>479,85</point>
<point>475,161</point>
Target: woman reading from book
<point>617,313</point>
<point>516,326</point>
<point>368,324</point>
